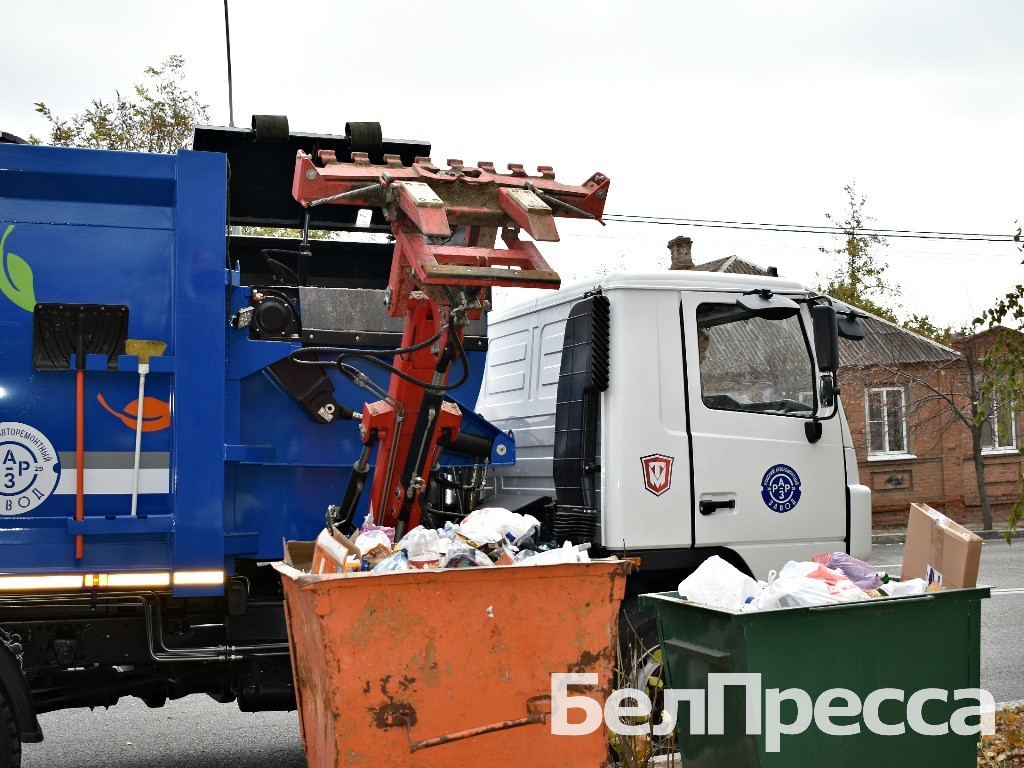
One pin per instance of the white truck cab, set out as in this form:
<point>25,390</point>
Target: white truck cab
<point>680,414</point>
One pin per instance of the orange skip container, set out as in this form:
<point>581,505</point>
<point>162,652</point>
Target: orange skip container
<point>449,668</point>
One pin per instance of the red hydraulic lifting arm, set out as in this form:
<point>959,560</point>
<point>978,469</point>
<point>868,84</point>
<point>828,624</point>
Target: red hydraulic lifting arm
<point>445,223</point>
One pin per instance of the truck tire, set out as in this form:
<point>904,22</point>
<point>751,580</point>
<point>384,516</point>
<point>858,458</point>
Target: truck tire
<point>10,740</point>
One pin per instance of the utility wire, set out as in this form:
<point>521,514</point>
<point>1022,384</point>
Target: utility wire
<point>942,255</point>
<point>227,43</point>
<point>811,229</point>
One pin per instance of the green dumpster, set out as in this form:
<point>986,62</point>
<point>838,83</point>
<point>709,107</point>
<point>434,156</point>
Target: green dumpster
<point>898,662</point>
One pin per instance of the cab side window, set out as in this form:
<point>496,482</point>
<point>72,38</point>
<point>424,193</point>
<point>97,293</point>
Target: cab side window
<point>753,364</point>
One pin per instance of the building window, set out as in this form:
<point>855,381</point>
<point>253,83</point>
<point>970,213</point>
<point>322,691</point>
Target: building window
<point>999,430</point>
<point>887,421</point>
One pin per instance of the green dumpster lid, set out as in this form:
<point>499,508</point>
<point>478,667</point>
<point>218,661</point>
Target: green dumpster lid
<point>649,601</point>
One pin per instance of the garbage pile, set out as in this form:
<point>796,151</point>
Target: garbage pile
<point>835,578</point>
<point>485,538</point>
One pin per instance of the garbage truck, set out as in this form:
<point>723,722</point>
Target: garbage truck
<point>676,415</point>
<point>179,396</point>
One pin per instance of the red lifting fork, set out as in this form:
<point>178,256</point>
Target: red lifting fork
<point>440,286</point>
<point>424,202</point>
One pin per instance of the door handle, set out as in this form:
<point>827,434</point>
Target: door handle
<point>710,507</point>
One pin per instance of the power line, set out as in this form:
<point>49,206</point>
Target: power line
<point>231,93</point>
<point>809,249</point>
<point>809,229</point>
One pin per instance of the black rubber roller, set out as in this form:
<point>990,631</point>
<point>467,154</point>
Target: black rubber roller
<point>364,137</point>
<point>471,446</point>
<point>270,129</point>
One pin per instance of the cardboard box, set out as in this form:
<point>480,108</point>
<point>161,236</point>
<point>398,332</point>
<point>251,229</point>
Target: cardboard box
<point>299,554</point>
<point>939,550</point>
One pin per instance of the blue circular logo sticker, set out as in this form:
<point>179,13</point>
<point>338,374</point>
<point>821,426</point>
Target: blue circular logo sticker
<point>780,488</point>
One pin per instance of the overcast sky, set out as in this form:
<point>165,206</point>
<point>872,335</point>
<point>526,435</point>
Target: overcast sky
<point>743,111</point>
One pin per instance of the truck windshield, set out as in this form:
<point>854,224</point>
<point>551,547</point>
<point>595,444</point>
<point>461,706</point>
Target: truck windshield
<point>751,364</point>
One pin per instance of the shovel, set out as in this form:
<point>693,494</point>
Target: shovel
<point>62,330</point>
<point>143,350</point>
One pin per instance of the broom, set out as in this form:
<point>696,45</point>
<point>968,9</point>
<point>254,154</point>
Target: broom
<point>143,350</point>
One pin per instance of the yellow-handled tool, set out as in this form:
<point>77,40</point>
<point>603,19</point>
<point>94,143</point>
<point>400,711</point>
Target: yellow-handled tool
<point>143,350</point>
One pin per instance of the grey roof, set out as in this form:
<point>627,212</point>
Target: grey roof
<point>885,343</point>
<point>733,265</point>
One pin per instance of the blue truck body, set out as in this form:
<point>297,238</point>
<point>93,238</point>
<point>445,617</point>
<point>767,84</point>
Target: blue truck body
<point>173,600</point>
<point>238,466</point>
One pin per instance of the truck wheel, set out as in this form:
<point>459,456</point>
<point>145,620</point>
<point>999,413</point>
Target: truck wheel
<point>10,741</point>
<point>639,650</point>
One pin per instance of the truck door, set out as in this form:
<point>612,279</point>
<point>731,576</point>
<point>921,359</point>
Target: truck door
<point>758,483</point>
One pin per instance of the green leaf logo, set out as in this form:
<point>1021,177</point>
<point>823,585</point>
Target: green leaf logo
<point>16,276</point>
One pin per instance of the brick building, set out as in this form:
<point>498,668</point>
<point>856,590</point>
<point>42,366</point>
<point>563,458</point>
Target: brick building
<point>901,393</point>
<point>910,445</point>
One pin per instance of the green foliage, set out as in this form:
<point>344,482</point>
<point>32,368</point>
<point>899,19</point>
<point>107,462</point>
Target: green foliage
<point>1004,363</point>
<point>157,117</point>
<point>1008,309</point>
<point>923,325</point>
<point>859,277</point>
<point>1003,376</point>
<point>294,234</point>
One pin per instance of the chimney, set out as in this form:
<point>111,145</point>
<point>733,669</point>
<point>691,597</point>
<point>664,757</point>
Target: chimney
<point>680,248</point>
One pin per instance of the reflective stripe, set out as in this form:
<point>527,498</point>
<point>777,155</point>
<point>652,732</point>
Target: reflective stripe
<point>138,579</point>
<point>117,459</point>
<point>199,577</point>
<point>105,580</point>
<point>111,472</point>
<point>40,582</point>
<point>116,481</point>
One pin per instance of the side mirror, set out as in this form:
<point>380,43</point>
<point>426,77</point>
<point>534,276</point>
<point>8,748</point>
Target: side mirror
<point>827,390</point>
<point>850,326</point>
<point>766,305</point>
<point>826,337</point>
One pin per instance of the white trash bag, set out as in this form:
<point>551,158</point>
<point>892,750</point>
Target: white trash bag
<point>567,553</point>
<point>489,525</point>
<point>904,588</point>
<point>720,585</point>
<point>792,591</point>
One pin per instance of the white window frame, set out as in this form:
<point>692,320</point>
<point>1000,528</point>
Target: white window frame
<point>993,420</point>
<point>886,454</point>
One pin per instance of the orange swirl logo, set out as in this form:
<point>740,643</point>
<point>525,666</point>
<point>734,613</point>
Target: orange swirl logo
<point>156,414</point>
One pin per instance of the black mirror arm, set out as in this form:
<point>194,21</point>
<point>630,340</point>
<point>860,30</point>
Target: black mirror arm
<point>812,428</point>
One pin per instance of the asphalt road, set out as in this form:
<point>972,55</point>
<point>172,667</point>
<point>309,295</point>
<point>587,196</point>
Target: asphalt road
<point>1002,615</point>
<point>196,732</point>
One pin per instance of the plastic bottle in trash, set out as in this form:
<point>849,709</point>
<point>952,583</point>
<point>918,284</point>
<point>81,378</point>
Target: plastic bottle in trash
<point>399,561</point>
<point>422,546</point>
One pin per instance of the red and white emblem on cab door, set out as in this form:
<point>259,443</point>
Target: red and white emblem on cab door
<point>657,472</point>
